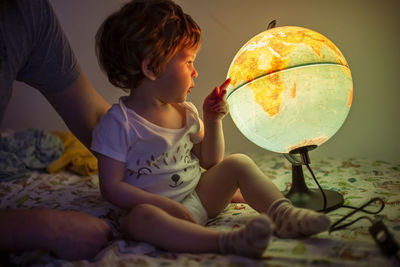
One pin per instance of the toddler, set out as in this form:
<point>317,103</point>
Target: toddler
<point>152,147</point>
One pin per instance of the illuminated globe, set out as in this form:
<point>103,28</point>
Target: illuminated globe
<point>290,87</point>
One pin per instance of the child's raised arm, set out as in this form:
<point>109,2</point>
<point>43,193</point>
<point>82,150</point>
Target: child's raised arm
<point>115,190</point>
<point>212,149</point>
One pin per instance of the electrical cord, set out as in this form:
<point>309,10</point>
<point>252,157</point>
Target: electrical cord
<point>382,236</point>
<point>334,226</point>
<point>319,186</point>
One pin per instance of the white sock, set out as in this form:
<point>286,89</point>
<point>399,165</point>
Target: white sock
<point>250,240</point>
<point>296,222</point>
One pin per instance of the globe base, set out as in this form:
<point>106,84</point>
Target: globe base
<point>313,199</point>
<point>303,197</point>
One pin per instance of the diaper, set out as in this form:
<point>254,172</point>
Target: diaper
<point>193,203</point>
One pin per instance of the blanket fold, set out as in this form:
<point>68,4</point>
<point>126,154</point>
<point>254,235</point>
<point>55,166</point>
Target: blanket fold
<point>24,151</point>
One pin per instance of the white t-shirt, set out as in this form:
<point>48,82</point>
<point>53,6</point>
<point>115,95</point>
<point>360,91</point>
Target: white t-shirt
<point>158,160</point>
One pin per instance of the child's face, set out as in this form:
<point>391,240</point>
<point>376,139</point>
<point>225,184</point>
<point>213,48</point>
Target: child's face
<point>178,77</point>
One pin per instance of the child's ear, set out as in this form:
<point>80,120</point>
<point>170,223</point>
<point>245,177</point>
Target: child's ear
<point>148,70</point>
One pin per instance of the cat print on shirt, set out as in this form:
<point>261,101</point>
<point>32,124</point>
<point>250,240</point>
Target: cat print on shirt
<point>180,155</point>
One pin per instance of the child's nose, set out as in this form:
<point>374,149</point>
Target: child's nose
<point>195,73</point>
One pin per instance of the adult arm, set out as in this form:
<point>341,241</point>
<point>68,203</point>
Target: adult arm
<point>69,235</point>
<point>49,64</point>
<point>80,106</point>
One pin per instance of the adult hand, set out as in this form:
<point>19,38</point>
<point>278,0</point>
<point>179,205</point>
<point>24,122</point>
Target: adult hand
<point>215,106</point>
<point>75,235</point>
<point>70,235</point>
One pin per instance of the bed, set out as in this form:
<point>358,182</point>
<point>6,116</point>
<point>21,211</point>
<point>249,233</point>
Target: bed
<point>357,179</point>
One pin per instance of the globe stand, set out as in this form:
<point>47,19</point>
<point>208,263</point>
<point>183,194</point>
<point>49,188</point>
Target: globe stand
<point>300,195</point>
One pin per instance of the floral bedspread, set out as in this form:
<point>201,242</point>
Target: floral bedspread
<point>358,180</point>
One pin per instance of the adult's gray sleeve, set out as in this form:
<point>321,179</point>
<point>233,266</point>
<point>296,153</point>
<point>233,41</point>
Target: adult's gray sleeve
<point>51,65</point>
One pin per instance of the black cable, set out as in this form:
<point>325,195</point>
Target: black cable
<point>320,188</point>
<point>365,211</point>
<point>334,226</point>
<point>378,230</point>
<point>350,223</point>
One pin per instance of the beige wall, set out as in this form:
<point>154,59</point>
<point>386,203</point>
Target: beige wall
<point>366,31</point>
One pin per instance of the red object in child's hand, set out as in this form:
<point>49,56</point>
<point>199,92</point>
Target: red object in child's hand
<point>225,84</point>
<point>220,91</point>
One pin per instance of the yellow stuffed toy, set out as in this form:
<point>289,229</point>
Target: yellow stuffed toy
<point>76,158</point>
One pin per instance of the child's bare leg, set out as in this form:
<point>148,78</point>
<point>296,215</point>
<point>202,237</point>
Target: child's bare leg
<point>219,183</point>
<point>152,224</point>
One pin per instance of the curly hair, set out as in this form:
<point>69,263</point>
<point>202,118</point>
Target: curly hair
<point>153,29</point>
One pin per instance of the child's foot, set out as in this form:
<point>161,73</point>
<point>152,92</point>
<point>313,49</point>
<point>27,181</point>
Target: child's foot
<point>251,240</point>
<point>296,222</point>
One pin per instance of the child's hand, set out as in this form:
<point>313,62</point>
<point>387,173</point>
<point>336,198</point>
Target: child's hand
<point>215,106</point>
